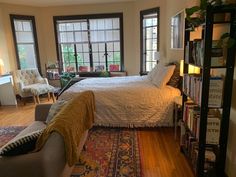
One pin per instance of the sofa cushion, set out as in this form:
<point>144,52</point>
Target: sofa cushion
<point>35,127</point>
<point>55,108</point>
<point>21,144</point>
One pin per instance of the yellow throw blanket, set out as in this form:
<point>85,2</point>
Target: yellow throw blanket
<point>71,122</point>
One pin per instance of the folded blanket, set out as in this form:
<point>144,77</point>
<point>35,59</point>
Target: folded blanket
<point>71,122</point>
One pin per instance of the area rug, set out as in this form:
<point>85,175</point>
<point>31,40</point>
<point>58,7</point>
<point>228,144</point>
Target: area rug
<point>108,152</point>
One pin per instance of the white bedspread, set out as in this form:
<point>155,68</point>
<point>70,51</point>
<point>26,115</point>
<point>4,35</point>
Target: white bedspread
<point>131,101</point>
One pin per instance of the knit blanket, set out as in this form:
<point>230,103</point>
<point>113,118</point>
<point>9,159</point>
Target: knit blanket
<point>71,122</point>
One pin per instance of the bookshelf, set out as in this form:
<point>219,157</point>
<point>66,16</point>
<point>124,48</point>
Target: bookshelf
<point>207,96</point>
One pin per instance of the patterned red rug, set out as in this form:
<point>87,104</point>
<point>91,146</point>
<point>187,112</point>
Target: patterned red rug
<point>109,152</point>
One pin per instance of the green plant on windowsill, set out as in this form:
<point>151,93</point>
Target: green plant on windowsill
<point>196,16</point>
<point>104,74</point>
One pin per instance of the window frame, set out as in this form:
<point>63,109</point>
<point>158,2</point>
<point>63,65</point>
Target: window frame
<point>34,31</point>
<point>142,14</point>
<point>89,16</point>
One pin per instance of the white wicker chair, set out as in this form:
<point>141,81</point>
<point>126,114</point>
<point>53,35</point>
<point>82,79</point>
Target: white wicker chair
<point>30,83</point>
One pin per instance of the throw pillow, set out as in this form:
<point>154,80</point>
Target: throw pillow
<point>55,108</point>
<point>21,145</point>
<point>152,73</point>
<point>163,75</point>
<point>175,80</point>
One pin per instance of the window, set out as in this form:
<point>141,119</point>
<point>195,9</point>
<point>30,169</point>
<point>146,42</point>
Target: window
<point>25,39</point>
<point>88,43</point>
<point>149,30</point>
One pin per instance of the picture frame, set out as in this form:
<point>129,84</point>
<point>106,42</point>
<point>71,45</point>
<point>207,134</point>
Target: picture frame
<point>177,30</point>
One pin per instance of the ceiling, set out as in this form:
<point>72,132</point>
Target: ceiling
<point>59,2</point>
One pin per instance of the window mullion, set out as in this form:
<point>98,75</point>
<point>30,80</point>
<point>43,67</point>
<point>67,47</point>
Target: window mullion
<point>90,46</point>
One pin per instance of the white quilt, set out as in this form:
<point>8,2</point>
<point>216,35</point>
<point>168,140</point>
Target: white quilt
<point>131,101</point>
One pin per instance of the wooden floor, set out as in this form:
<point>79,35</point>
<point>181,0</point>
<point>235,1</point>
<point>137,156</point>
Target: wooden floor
<point>161,156</point>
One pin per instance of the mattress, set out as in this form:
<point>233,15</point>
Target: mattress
<point>131,101</point>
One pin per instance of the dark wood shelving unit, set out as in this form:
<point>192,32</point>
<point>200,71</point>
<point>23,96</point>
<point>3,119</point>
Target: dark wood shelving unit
<point>207,36</point>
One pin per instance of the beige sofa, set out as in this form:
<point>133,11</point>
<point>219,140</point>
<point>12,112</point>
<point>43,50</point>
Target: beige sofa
<point>48,162</point>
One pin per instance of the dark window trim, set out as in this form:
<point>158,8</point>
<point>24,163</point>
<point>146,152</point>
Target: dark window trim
<point>142,13</point>
<point>91,16</point>
<point>25,17</point>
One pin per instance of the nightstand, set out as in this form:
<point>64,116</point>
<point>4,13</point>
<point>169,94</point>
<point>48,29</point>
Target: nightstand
<point>177,112</point>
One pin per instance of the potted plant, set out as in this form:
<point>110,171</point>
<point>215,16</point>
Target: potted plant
<point>196,16</point>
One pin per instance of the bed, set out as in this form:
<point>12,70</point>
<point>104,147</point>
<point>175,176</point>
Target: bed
<point>132,101</point>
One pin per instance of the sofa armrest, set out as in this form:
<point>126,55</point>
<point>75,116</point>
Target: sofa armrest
<point>41,112</point>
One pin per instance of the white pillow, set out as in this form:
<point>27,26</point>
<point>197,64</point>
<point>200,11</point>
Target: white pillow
<point>163,75</point>
<point>152,74</point>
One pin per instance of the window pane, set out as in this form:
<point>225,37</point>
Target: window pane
<point>24,37</point>
<point>109,36</point>
<point>94,37</point>
<point>94,47</point>
<point>117,56</point>
<point>95,57</point>
<point>62,27</point>
<point>77,26</point>
<point>69,27</point>
<point>18,25</point>
<point>70,37</point>
<point>84,36</point>
<point>27,26</point>
<point>101,24</point>
<point>101,47</point>
<point>116,35</point>
<point>110,46</point>
<point>62,37</point>
<point>93,24</point>
<point>108,23</point>
<point>78,36</point>
<point>84,26</point>
<point>116,46</point>
<point>101,36</point>
<point>79,47</point>
<point>86,47</point>
<point>116,23</point>
<point>101,57</point>
<point>27,56</point>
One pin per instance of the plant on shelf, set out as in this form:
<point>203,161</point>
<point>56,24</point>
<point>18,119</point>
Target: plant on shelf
<point>196,16</point>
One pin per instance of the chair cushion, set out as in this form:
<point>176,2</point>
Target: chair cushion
<point>37,89</point>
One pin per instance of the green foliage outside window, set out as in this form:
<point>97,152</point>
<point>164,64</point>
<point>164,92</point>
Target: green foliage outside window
<point>22,56</point>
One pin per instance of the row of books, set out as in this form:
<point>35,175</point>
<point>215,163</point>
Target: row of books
<point>194,53</point>
<point>190,147</point>
<point>191,118</point>
<point>192,86</point>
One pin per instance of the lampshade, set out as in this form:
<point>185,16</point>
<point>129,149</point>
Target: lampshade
<point>191,68</point>
<point>1,67</point>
